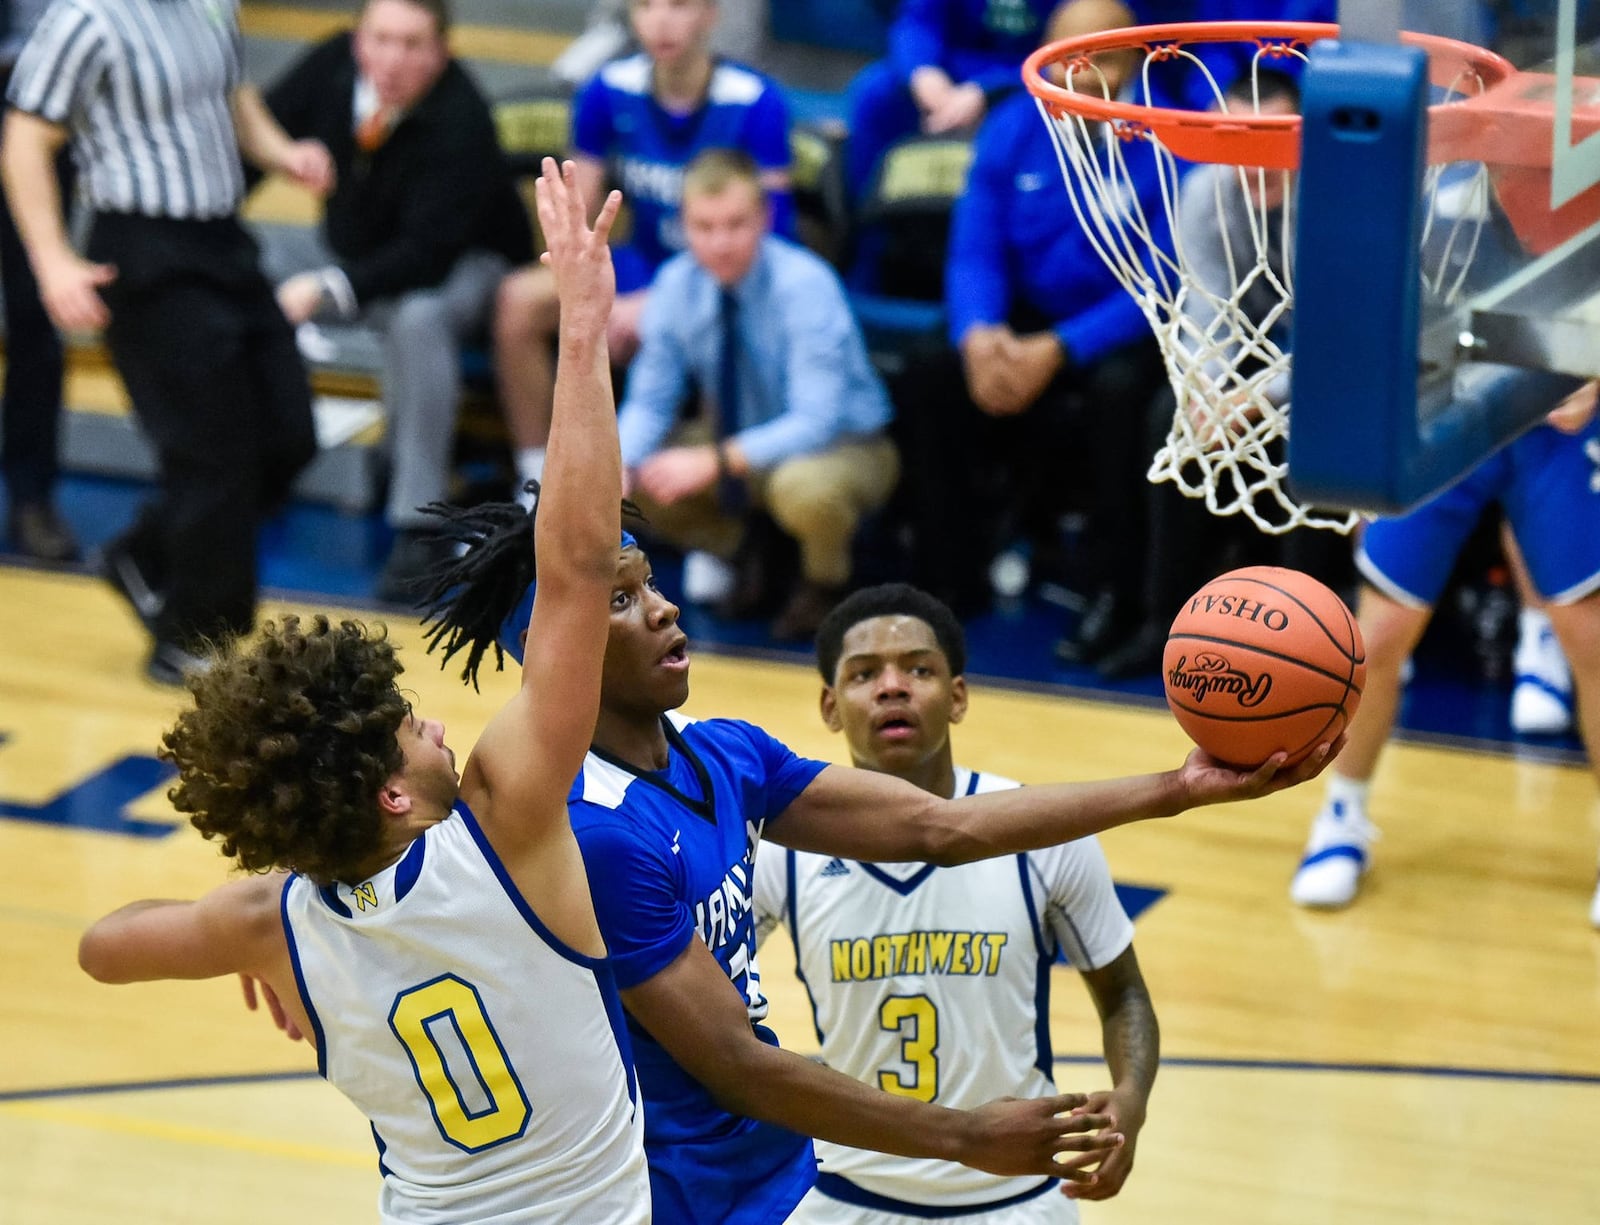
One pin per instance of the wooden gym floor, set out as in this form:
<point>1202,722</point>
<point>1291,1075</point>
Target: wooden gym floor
<point>1433,1055</point>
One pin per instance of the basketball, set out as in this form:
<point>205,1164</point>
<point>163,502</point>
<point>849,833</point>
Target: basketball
<point>1262,660</point>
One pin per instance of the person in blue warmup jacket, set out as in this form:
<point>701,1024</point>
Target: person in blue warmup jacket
<point>948,61</point>
<point>642,119</point>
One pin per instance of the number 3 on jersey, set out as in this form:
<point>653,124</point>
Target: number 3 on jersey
<point>916,1020</point>
<point>453,1047</point>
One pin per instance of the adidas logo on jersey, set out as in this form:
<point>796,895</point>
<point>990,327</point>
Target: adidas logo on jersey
<point>835,867</point>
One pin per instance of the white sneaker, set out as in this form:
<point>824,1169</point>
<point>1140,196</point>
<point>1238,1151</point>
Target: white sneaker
<point>1538,710</point>
<point>1335,858</point>
<point>706,578</point>
<point>1541,702</point>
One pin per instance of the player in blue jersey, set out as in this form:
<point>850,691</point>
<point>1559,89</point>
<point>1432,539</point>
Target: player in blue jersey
<point>641,120</point>
<point>934,983</point>
<point>496,1072</point>
<point>669,812</point>
<point>1546,482</point>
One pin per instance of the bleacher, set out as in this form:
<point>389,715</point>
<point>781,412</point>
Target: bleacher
<point>815,47</point>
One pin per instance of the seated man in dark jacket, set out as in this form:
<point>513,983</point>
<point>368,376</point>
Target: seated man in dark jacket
<point>422,224</point>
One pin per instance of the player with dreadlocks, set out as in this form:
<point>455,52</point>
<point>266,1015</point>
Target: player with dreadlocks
<point>668,812</point>
<point>301,755</point>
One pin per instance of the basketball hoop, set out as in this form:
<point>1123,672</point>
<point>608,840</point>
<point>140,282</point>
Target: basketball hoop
<point>1222,315</point>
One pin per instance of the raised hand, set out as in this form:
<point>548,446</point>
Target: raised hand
<point>579,255</point>
<point>1051,1136</point>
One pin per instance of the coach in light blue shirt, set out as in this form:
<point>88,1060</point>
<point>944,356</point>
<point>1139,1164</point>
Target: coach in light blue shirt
<point>791,412</point>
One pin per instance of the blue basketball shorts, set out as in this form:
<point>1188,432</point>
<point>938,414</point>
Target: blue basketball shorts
<point>1548,486</point>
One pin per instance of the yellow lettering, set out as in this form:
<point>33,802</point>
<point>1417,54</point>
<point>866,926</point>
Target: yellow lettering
<point>882,964</point>
<point>860,959</point>
<point>917,953</point>
<point>939,951</point>
<point>997,941</point>
<point>958,960</point>
<point>841,961</point>
<point>898,944</point>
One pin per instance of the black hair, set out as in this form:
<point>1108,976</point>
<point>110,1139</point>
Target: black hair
<point>468,597</point>
<point>1266,85</point>
<point>889,600</point>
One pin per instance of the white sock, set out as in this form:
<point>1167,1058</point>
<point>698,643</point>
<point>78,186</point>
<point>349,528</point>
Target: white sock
<point>1351,792</point>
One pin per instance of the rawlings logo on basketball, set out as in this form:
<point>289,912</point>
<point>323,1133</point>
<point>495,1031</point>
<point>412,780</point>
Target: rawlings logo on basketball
<point>1212,673</point>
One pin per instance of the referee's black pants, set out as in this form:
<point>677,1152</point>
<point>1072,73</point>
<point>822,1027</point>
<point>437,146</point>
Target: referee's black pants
<point>218,386</point>
<point>30,434</point>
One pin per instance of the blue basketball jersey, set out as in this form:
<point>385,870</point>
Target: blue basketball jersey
<point>670,857</point>
<point>617,120</point>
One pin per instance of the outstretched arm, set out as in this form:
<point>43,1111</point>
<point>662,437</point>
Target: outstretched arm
<point>692,1009</point>
<point>534,747</point>
<point>910,824</point>
<point>231,930</point>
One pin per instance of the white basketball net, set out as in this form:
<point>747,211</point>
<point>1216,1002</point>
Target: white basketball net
<point>1222,315</point>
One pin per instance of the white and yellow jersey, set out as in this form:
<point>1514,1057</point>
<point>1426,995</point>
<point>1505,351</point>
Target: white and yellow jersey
<point>934,983</point>
<point>490,1058</point>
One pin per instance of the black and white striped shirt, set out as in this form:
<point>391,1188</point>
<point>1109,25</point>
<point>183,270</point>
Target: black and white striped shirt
<point>144,87</point>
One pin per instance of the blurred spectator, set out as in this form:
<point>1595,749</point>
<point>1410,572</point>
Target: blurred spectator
<point>741,35</point>
<point>421,226</point>
<point>642,118</point>
<point>32,409</point>
<point>153,102</point>
<point>792,414</point>
<point>1056,363</point>
<point>949,61</point>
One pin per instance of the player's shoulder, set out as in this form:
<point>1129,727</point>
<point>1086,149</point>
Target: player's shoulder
<point>95,13</point>
<point>717,734</point>
<point>735,84</point>
<point>629,76</point>
<point>798,271</point>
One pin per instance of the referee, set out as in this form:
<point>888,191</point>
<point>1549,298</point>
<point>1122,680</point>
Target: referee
<point>149,92</point>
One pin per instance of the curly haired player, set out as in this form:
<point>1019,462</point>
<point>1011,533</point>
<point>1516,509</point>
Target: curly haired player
<point>495,1071</point>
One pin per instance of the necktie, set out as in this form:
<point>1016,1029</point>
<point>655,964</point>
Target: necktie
<point>371,131</point>
<point>730,489</point>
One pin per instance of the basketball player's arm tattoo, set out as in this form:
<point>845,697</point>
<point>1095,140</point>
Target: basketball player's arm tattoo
<point>1129,1030</point>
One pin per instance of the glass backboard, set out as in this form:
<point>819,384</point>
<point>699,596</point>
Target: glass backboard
<point>1521,328</point>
